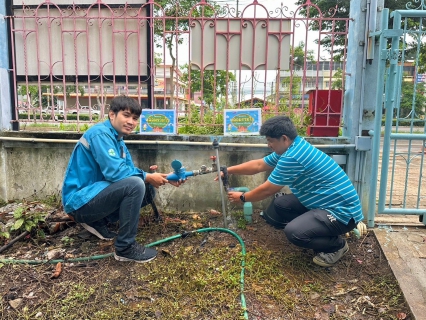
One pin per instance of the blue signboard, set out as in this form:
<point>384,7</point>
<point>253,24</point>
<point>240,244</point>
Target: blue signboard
<point>421,77</point>
<point>158,121</point>
<point>242,121</point>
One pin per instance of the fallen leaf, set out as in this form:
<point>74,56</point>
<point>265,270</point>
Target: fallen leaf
<point>197,225</point>
<point>54,227</point>
<point>314,296</point>
<point>105,245</point>
<point>196,217</point>
<point>215,212</point>
<point>134,305</point>
<point>256,287</point>
<point>329,308</point>
<point>166,252</point>
<point>15,303</point>
<point>130,294</point>
<point>401,316</point>
<point>343,291</point>
<point>55,254</point>
<point>30,296</point>
<point>58,270</point>
<point>321,316</point>
<point>174,220</point>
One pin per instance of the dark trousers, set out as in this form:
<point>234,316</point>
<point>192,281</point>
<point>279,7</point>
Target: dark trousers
<point>313,229</point>
<point>121,201</point>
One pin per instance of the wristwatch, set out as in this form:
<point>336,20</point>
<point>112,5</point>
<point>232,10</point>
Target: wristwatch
<point>243,197</point>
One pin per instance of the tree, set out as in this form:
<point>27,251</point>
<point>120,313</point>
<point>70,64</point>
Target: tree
<point>298,55</point>
<point>33,93</point>
<point>300,61</point>
<point>102,103</point>
<point>157,59</point>
<point>407,94</point>
<point>213,84</point>
<point>73,89</point>
<point>422,59</point>
<point>172,21</point>
<point>293,92</point>
<point>337,83</point>
<point>336,9</point>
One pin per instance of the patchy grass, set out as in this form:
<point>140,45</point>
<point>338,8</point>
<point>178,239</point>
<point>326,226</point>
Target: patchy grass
<point>198,277</point>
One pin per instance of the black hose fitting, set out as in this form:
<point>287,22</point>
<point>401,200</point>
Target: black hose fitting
<point>225,178</point>
<point>215,144</point>
<point>185,234</point>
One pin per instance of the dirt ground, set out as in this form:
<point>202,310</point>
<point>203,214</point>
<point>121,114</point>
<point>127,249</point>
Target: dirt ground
<point>194,277</point>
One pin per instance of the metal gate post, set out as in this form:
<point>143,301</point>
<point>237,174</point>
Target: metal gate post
<point>389,106</point>
<point>378,120</point>
<point>360,110</point>
<point>352,96</point>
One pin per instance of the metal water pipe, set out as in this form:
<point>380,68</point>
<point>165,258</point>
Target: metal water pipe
<point>222,196</point>
<point>182,143</point>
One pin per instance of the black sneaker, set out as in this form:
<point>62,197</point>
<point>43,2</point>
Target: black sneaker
<point>137,253</point>
<point>101,232</point>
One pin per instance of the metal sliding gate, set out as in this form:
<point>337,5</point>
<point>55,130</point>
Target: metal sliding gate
<point>400,133</point>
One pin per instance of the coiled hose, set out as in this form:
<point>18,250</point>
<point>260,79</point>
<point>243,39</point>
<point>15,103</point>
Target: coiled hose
<point>182,235</point>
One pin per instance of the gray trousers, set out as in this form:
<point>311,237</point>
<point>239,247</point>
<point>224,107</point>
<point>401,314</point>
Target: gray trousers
<point>314,229</point>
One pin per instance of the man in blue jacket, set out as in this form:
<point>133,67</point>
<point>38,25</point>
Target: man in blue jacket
<point>102,184</point>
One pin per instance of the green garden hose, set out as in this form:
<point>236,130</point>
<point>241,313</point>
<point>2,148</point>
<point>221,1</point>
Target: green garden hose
<point>103,256</point>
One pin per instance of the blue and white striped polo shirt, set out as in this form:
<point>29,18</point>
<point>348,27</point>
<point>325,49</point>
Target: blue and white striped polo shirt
<point>316,180</point>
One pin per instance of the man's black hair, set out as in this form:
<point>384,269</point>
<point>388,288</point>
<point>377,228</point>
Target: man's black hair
<point>278,126</point>
<point>125,103</point>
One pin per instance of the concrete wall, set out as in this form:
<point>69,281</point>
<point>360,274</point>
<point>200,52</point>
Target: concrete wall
<point>36,169</point>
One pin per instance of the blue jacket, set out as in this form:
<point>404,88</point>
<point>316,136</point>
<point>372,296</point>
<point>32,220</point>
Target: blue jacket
<point>99,159</point>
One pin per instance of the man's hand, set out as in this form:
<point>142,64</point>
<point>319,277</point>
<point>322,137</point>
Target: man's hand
<point>156,179</point>
<point>362,228</point>
<point>234,196</point>
<point>217,177</point>
<point>172,182</point>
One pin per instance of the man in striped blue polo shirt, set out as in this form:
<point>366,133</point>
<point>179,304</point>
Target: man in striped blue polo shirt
<point>323,204</point>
